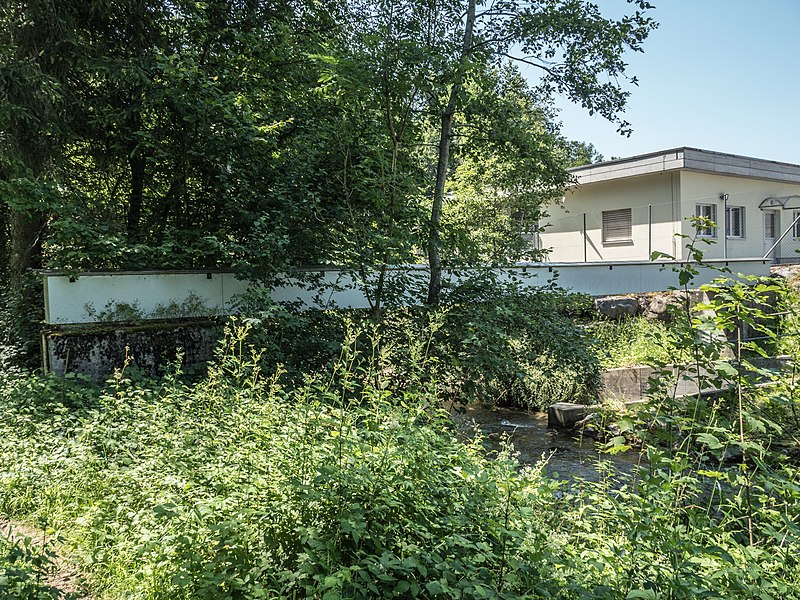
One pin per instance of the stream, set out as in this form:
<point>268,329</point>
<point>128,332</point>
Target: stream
<point>567,455</point>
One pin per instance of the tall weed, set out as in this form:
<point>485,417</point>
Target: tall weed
<point>345,485</point>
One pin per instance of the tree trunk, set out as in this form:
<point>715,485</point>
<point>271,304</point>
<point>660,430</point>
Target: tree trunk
<point>26,244</point>
<point>442,166</point>
<point>5,246</point>
<point>133,225</point>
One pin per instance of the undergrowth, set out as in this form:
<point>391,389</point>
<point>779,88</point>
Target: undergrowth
<point>24,567</point>
<point>343,486</point>
<point>496,345</point>
<point>634,341</point>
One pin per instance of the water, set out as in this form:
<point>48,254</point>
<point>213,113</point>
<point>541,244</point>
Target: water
<point>567,454</point>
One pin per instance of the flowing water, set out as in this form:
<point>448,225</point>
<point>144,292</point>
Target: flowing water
<point>567,455</point>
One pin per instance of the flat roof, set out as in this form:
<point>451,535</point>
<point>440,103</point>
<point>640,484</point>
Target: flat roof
<point>690,159</point>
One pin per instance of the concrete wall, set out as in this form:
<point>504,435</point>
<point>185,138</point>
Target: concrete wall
<point>132,296</point>
<point>706,188</point>
<point>104,297</point>
<point>631,384</point>
<point>562,231</point>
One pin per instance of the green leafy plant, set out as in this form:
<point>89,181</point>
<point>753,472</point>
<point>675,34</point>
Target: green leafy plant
<point>490,343</point>
<point>347,486</point>
<point>24,568</point>
<point>634,341</point>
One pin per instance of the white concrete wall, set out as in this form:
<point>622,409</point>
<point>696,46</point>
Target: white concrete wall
<point>97,297</point>
<point>706,188</point>
<point>82,299</point>
<point>562,233</point>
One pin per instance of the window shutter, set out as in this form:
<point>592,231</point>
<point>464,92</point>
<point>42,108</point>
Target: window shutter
<point>617,225</point>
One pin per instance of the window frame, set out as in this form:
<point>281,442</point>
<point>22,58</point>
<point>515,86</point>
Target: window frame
<point>728,222</point>
<point>618,216</point>
<point>796,226</point>
<point>707,232</point>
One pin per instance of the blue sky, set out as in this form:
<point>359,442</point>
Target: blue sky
<point>719,75</point>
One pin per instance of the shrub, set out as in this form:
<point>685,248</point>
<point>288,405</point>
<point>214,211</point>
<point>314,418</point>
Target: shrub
<point>635,341</point>
<point>497,346</point>
<point>344,487</point>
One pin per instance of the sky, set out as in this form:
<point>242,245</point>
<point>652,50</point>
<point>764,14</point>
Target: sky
<point>720,75</point>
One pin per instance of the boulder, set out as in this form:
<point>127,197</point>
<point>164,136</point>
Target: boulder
<point>617,307</point>
<point>657,308</point>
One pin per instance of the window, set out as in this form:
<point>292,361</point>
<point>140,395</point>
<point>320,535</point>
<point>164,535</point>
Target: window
<point>796,226</point>
<point>734,221</point>
<point>709,212</point>
<point>617,225</point>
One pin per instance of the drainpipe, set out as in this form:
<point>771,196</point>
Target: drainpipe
<point>724,198</point>
<point>649,231</point>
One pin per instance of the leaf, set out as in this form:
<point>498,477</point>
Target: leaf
<point>709,440</point>
<point>647,594</point>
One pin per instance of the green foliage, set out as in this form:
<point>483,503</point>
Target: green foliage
<point>488,343</point>
<point>241,488</point>
<point>353,483</point>
<point>21,315</point>
<point>635,341</point>
<point>346,487</point>
<point>23,570</point>
<point>520,350</point>
<point>728,457</point>
<point>788,342</point>
<point>192,306</point>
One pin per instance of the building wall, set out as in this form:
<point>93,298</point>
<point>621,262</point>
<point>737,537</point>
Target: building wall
<point>706,188</point>
<point>563,235</point>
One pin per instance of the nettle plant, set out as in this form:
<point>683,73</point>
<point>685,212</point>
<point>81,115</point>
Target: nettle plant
<point>725,327</point>
<point>713,510</point>
<point>717,420</point>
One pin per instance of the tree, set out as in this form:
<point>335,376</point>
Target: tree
<point>157,133</point>
<point>578,51</point>
<point>509,159</point>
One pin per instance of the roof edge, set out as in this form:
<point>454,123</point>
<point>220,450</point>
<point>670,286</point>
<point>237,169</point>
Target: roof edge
<point>690,159</point>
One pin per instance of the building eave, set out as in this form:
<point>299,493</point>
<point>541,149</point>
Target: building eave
<point>688,159</point>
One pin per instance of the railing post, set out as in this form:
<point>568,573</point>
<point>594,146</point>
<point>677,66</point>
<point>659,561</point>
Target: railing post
<point>585,243</point>
<point>724,226</point>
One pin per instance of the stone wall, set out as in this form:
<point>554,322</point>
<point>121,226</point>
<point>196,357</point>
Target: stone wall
<point>96,351</point>
<point>654,305</point>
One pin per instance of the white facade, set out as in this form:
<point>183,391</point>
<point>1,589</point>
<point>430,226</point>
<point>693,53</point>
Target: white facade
<point>627,209</point>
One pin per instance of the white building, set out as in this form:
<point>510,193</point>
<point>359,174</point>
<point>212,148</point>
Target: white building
<point>626,209</point>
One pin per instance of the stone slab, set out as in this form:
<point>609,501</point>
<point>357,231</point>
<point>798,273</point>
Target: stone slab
<point>564,415</point>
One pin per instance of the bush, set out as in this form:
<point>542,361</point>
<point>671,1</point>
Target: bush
<point>518,351</point>
<point>495,347</point>
<point>343,487</point>
<point>636,341</point>
<point>240,488</point>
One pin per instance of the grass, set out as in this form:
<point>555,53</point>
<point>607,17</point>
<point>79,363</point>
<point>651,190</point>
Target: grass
<point>634,341</point>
